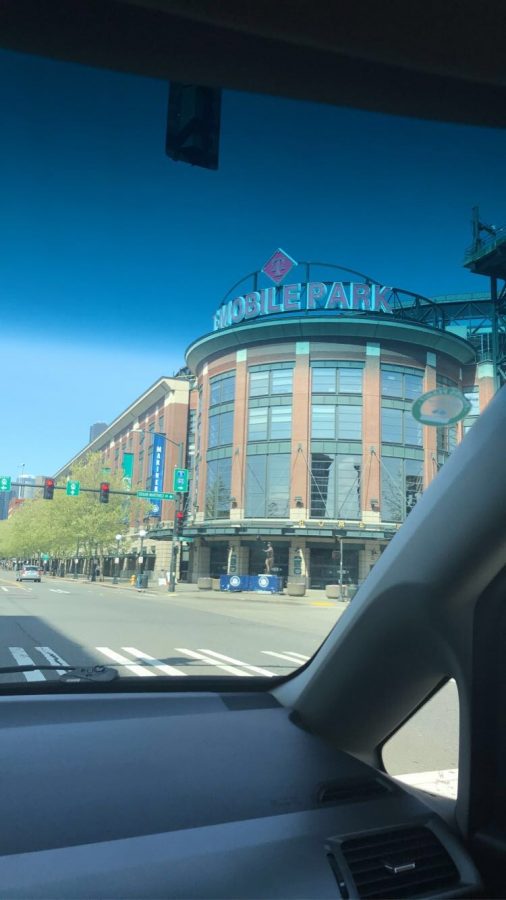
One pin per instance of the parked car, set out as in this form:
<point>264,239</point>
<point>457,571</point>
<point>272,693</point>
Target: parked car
<point>28,573</point>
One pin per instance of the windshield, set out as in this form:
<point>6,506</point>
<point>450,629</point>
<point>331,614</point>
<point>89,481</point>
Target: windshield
<point>217,424</point>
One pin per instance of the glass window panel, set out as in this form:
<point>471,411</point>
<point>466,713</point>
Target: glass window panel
<point>322,486</point>
<point>258,384</point>
<point>281,422</point>
<point>412,429</point>
<point>227,388</point>
<point>282,381</point>
<point>391,425</point>
<point>324,381</point>
<point>413,386</point>
<point>218,489</point>
<point>323,422</point>
<point>257,430</point>
<point>392,492</point>
<point>226,427</point>
<point>215,393</point>
<point>350,381</point>
<point>414,482</point>
<point>278,486</point>
<point>391,384</point>
<point>255,486</point>
<point>214,431</point>
<point>348,486</point>
<point>349,423</point>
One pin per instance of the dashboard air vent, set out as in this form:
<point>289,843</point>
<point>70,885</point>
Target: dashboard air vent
<point>336,792</point>
<point>401,863</point>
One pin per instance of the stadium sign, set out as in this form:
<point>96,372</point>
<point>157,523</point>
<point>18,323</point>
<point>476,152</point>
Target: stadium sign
<point>311,297</point>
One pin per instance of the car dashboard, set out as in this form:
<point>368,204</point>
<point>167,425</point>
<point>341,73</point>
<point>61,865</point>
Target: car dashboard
<point>205,795</point>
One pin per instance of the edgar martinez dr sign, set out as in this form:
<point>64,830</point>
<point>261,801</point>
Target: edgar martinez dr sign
<point>336,296</point>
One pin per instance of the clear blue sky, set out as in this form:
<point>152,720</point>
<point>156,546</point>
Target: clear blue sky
<point>103,240</point>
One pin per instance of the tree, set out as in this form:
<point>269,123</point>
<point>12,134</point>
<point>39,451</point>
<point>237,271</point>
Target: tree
<point>67,525</point>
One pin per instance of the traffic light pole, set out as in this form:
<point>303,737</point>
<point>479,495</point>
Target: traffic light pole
<point>175,530</point>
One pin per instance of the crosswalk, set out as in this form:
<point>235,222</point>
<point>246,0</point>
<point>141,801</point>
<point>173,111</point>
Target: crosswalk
<point>183,661</point>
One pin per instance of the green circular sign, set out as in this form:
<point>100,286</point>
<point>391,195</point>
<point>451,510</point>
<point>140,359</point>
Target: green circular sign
<point>444,406</point>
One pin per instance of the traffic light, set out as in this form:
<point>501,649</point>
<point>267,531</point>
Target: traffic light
<point>178,523</point>
<point>193,125</point>
<point>104,492</point>
<point>48,488</point>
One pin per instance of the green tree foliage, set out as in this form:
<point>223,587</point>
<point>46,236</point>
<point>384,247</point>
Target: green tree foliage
<point>65,524</point>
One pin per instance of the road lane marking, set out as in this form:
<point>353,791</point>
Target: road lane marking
<point>283,656</point>
<point>53,658</point>
<point>238,662</point>
<point>22,659</point>
<point>213,662</point>
<point>123,660</point>
<point>298,656</point>
<point>156,663</point>
<point>58,591</point>
<point>6,590</point>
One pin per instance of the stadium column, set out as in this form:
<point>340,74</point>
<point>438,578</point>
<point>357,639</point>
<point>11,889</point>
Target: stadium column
<point>429,432</point>
<point>204,429</point>
<point>301,448</point>
<point>371,445</point>
<point>237,481</point>
<point>486,383</point>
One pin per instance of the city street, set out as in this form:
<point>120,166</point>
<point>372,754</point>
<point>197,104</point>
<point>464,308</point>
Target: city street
<point>153,634</point>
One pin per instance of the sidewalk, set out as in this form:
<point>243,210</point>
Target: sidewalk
<point>313,596</point>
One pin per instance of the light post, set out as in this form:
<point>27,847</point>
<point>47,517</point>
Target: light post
<point>119,538</point>
<point>140,558</point>
<point>177,510</point>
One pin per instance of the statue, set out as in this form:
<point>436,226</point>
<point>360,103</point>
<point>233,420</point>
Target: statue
<point>269,558</point>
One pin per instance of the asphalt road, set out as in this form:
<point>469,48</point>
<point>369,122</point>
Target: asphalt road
<point>157,635</point>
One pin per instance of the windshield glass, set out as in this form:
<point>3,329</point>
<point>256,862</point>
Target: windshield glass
<point>216,425</point>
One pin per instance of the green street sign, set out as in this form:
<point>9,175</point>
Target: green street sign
<point>44,556</point>
<point>5,482</point>
<point>180,481</point>
<point>154,495</point>
<point>73,488</point>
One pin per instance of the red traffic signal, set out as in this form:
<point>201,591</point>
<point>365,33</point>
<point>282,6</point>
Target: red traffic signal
<point>178,522</point>
<point>48,488</point>
<point>104,492</point>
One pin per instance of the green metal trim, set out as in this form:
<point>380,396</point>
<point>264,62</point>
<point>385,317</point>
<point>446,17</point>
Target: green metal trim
<point>349,448</point>
<point>396,404</point>
<point>337,399</point>
<point>404,370</point>
<point>219,453</point>
<point>260,448</point>
<point>336,364</point>
<point>271,367</point>
<point>401,452</point>
<point>230,373</point>
<point>219,408</point>
<point>270,400</point>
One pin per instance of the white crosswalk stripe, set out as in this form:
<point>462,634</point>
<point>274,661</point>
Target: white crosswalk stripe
<point>238,662</point>
<point>53,658</point>
<point>58,591</point>
<point>213,662</point>
<point>124,661</point>
<point>5,589</point>
<point>156,663</point>
<point>285,656</point>
<point>23,659</point>
<point>144,664</point>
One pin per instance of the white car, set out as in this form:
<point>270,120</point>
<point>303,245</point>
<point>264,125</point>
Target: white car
<point>28,573</point>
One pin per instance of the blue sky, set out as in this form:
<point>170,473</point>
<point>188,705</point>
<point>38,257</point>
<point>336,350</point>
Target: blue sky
<point>113,258</point>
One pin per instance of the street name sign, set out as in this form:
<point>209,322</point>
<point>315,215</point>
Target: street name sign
<point>5,482</point>
<point>180,481</point>
<point>73,488</point>
<point>154,495</point>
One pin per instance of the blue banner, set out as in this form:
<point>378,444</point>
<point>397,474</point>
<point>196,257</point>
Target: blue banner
<point>157,470</point>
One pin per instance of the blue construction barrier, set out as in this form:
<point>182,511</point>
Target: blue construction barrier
<point>234,582</point>
<point>265,584</point>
